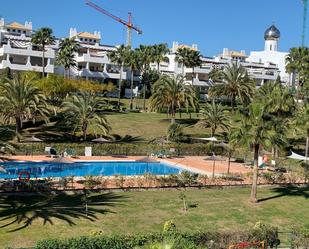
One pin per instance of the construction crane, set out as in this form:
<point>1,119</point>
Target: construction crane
<point>128,23</point>
<point>305,3</point>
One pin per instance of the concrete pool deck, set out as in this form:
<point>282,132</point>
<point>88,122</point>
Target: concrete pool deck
<point>196,164</point>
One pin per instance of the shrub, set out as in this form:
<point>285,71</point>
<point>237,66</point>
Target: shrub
<point>169,227</point>
<point>91,182</point>
<point>119,181</point>
<point>193,240</point>
<point>186,178</point>
<point>300,237</point>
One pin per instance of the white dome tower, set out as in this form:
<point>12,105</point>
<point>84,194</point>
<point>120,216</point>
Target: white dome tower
<point>271,36</point>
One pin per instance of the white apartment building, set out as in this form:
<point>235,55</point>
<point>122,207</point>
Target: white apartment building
<point>260,71</point>
<point>18,53</point>
<point>92,60</point>
<point>270,54</point>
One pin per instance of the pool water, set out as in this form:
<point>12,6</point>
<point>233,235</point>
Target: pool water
<point>48,169</point>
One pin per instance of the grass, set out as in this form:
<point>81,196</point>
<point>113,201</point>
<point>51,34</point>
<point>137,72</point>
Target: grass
<point>150,125</point>
<point>26,219</point>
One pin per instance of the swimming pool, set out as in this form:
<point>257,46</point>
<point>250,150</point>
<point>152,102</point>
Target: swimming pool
<point>48,169</point>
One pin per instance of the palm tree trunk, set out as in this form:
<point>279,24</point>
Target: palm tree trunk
<point>132,81</point>
<point>213,168</point>
<point>119,85</point>
<point>255,174</point>
<point>232,103</point>
<point>144,98</point>
<point>229,164</point>
<point>307,145</point>
<point>84,129</point>
<point>18,125</point>
<point>158,66</point>
<point>43,61</point>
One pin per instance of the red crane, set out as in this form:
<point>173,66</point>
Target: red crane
<point>128,23</point>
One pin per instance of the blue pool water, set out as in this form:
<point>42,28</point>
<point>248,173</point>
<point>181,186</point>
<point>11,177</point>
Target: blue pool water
<point>47,169</point>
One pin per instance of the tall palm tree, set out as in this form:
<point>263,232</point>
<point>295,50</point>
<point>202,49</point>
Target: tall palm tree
<point>42,38</point>
<point>302,118</point>
<point>297,62</point>
<point>83,109</point>
<point>188,58</point>
<point>277,99</point>
<point>159,52</point>
<point>182,56</point>
<point>119,57</point>
<point>172,93</point>
<point>214,117</point>
<point>255,131</point>
<point>216,75</point>
<point>21,101</point>
<point>133,62</point>
<point>146,56</point>
<point>66,55</point>
<point>236,84</point>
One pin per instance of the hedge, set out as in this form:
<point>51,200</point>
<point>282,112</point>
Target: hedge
<point>214,240</point>
<point>133,149</point>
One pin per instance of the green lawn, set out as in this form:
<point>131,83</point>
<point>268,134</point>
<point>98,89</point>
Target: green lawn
<point>22,218</point>
<point>150,125</point>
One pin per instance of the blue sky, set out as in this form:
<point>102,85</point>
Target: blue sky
<point>212,24</point>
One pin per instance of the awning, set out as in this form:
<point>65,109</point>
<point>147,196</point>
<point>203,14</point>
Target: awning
<point>297,157</point>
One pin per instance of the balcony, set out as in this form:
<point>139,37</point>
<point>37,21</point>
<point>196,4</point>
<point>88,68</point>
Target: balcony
<point>28,51</point>
<point>263,75</point>
<point>97,74</point>
<point>26,67</point>
<point>92,59</point>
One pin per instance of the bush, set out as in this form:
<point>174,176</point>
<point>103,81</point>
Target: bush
<point>186,178</point>
<point>191,240</point>
<point>133,149</point>
<point>300,237</point>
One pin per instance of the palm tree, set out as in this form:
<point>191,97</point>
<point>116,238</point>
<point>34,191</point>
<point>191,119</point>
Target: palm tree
<point>172,93</point>
<point>216,75</point>
<point>21,101</point>
<point>145,54</point>
<point>214,117</point>
<point>119,57</point>
<point>236,84</point>
<point>302,118</point>
<point>159,52</point>
<point>66,55</point>
<point>255,131</point>
<point>133,62</point>
<point>297,62</point>
<point>188,58</point>
<point>277,99</point>
<point>83,109</point>
<point>42,38</point>
<point>182,56</point>
<point>175,132</point>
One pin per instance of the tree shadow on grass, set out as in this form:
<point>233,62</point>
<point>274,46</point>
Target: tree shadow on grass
<point>23,210</point>
<point>288,191</point>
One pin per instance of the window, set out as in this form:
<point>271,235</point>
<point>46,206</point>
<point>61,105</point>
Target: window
<point>94,40</point>
<point>86,39</point>
<point>19,31</point>
<point>14,30</point>
<point>8,30</point>
<point>24,31</point>
<point>271,46</point>
<point>90,40</point>
<point>81,39</point>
